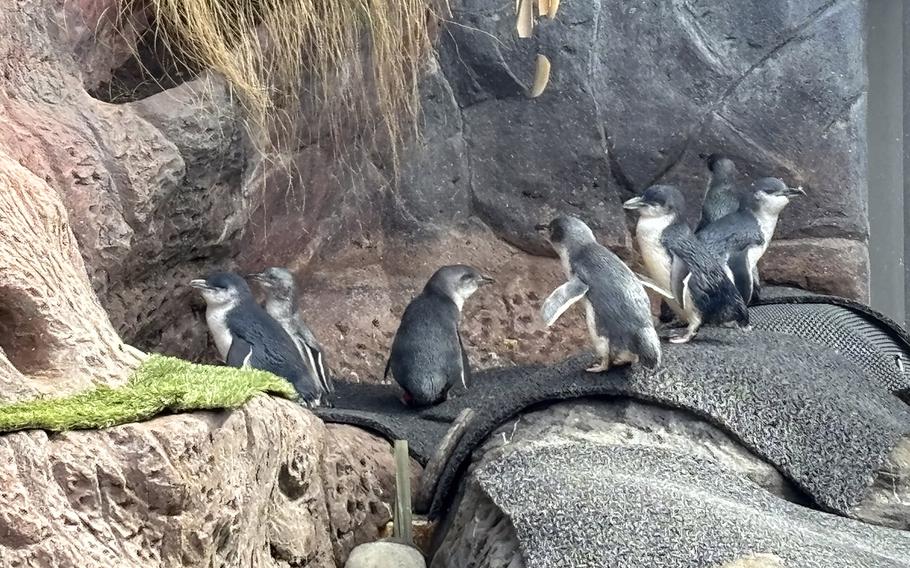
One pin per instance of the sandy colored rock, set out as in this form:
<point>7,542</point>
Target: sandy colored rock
<point>828,266</point>
<point>252,487</point>
<point>54,335</point>
<point>756,561</point>
<point>385,555</point>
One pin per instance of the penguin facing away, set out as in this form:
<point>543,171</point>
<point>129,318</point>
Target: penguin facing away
<point>722,196</point>
<point>246,336</point>
<point>617,308</point>
<point>282,304</point>
<point>697,279</point>
<point>427,357</point>
<point>741,238</point>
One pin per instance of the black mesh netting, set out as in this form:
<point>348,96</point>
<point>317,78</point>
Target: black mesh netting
<point>869,339</point>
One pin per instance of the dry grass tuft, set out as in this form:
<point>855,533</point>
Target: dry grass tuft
<point>303,68</point>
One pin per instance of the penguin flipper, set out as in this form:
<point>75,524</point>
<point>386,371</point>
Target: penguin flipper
<point>239,353</point>
<point>313,358</point>
<point>649,283</point>
<point>465,366</point>
<point>562,299</point>
<point>679,274</point>
<point>742,274</point>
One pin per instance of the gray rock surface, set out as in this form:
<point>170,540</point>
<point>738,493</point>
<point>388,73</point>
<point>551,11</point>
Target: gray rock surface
<point>385,555</point>
<point>619,483</point>
<point>164,188</point>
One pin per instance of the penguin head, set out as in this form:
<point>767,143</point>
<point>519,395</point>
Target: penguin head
<point>278,282</point>
<point>771,195</point>
<point>566,230</point>
<point>222,288</point>
<point>457,282</point>
<point>658,201</point>
<point>720,165</point>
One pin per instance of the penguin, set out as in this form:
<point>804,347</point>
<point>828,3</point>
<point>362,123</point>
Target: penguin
<point>617,308</point>
<point>741,238</point>
<point>427,357</point>
<point>281,304</point>
<point>679,262</point>
<point>246,336</point>
<point>721,196</point>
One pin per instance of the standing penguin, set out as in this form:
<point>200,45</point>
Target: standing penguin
<point>246,336</point>
<point>722,196</point>
<point>677,261</point>
<point>741,238</point>
<point>616,305</point>
<point>281,304</point>
<point>428,357</point>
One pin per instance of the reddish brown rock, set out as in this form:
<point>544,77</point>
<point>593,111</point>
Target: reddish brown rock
<point>827,266</point>
<point>265,485</point>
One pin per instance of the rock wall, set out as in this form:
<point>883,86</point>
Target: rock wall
<point>268,485</point>
<point>161,186</point>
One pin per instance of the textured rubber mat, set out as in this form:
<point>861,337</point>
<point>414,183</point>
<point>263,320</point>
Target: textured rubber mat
<point>820,418</point>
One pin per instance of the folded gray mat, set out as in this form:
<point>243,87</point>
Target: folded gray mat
<point>823,421</point>
<point>587,505</point>
<point>872,340</point>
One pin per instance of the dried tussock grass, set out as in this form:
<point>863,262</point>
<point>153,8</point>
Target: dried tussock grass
<point>302,69</point>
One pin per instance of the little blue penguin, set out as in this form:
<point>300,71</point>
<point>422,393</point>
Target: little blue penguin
<point>617,308</point>
<point>679,262</point>
<point>741,238</point>
<point>428,357</point>
<point>246,336</point>
<point>722,196</point>
<point>282,304</point>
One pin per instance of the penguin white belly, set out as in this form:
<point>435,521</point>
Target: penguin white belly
<point>657,261</point>
<point>217,322</point>
<point>601,344</point>
<point>767,222</point>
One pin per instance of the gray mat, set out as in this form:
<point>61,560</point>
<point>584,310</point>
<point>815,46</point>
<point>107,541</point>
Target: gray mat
<point>586,506</point>
<point>878,344</point>
<point>811,412</point>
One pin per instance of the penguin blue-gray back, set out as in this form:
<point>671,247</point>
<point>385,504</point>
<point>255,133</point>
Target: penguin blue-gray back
<point>247,336</point>
<point>616,306</point>
<point>741,238</point>
<point>697,279</point>
<point>722,196</point>
<point>282,304</point>
<point>427,357</point>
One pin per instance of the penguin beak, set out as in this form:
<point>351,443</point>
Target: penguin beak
<point>257,276</point>
<point>484,279</point>
<point>199,284</point>
<point>541,228</point>
<point>634,203</point>
<point>794,191</point>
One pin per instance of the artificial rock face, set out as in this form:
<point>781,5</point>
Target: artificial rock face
<point>163,186</point>
<point>267,485</point>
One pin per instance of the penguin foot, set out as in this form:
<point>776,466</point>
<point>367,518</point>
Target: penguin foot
<point>684,338</point>
<point>599,367</point>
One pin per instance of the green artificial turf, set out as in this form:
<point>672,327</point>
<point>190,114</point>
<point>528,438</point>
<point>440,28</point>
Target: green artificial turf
<point>159,384</point>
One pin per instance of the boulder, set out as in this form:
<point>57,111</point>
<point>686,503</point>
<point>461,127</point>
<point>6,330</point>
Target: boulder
<point>385,555</point>
<point>264,485</point>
